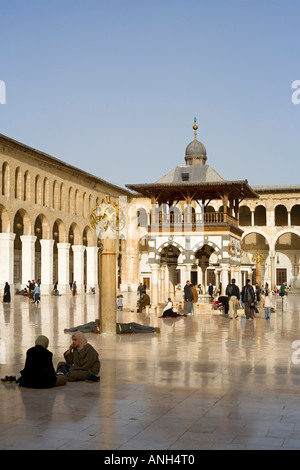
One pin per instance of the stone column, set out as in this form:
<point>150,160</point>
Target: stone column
<point>47,266</point>
<point>154,285</point>
<point>188,269</point>
<point>78,266</point>
<point>163,297</point>
<point>238,276</point>
<point>224,278</point>
<point>273,278</point>
<point>218,278</point>
<point>258,273</point>
<point>172,272</point>
<point>92,267</point>
<point>167,284</point>
<point>28,258</point>
<point>7,259</point>
<point>130,267</point>
<point>108,290</point>
<point>63,267</point>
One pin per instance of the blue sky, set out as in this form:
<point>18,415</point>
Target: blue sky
<point>112,87</point>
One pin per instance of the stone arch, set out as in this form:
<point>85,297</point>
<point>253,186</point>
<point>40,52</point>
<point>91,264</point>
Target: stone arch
<point>88,236</point>
<point>289,240</point>
<point>77,202</point>
<point>281,215</point>
<point>27,182</point>
<point>168,243</point>
<point>209,243</point>
<point>204,253</point>
<point>203,259</point>
<point>295,214</point>
<point>38,190</point>
<point>71,201</point>
<point>85,205</point>
<point>59,231</point>
<point>169,254</point>
<point>260,215</point>
<point>22,223</point>
<point>63,198</point>
<point>55,197</point>
<point>74,235</point>
<point>42,227</point>
<point>261,232</point>
<point>5,179</point>
<point>284,232</point>
<point>256,241</point>
<point>18,183</point>
<point>244,216</point>
<point>46,192</point>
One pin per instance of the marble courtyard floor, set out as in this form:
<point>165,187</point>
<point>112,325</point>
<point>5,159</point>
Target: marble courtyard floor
<point>203,382</point>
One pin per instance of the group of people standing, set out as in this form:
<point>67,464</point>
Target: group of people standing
<point>34,291</point>
<point>249,297</point>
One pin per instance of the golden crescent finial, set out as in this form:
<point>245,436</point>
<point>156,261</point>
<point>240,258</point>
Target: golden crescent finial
<point>195,127</point>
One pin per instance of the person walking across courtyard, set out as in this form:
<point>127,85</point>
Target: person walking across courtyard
<point>283,292</point>
<point>188,298</point>
<point>233,293</point>
<point>248,297</point>
<point>267,302</point>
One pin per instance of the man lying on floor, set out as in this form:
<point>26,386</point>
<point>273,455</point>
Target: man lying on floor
<point>121,328</point>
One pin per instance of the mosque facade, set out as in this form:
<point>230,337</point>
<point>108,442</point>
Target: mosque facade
<point>190,224</point>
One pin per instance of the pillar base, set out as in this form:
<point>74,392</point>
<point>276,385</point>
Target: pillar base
<point>46,289</point>
<point>64,289</point>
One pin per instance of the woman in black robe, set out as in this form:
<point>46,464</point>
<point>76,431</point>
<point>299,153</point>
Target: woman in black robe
<point>6,294</point>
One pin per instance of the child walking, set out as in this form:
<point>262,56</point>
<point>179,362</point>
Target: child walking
<point>268,305</point>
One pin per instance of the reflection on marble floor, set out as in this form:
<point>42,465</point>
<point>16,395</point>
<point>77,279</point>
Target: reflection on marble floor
<point>203,382</point>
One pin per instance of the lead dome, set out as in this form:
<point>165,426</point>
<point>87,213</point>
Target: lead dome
<point>195,152</point>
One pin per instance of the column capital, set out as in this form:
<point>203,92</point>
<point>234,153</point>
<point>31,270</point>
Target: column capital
<point>7,236</point>
<point>46,241</point>
<point>92,248</point>
<point>61,246</point>
<point>154,266</point>
<point>28,238</point>
<point>78,248</point>
<point>225,266</point>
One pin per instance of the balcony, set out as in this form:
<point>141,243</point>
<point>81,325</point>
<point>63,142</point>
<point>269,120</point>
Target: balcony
<point>195,222</point>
